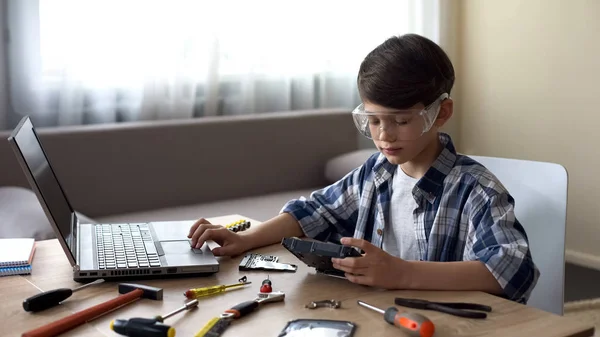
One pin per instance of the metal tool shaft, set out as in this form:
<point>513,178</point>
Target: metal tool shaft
<point>187,306</point>
<point>371,307</point>
<point>87,285</point>
<point>270,297</point>
<point>236,285</point>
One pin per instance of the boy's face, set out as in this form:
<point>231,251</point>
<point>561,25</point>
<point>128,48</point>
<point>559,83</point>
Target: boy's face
<point>399,134</point>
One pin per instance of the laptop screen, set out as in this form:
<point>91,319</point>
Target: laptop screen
<point>49,191</point>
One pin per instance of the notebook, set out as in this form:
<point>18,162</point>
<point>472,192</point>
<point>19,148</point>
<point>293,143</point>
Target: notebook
<point>16,252</point>
<point>20,270</point>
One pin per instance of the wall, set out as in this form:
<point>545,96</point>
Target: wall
<point>449,15</point>
<point>529,89</point>
<point>3,74</point>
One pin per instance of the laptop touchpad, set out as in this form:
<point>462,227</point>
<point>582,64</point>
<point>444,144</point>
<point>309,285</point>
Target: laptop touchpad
<point>175,247</point>
<point>179,253</point>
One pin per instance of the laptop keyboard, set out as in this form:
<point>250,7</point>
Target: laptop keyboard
<point>125,246</point>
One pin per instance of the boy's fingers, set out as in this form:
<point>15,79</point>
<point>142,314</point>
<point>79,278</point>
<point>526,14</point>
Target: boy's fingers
<point>366,246</point>
<point>218,235</point>
<point>359,279</point>
<point>351,262</point>
<point>224,250</point>
<point>349,269</point>
<point>199,232</point>
<point>196,225</point>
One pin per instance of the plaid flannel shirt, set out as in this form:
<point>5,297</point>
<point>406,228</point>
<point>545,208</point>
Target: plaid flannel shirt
<point>464,214</point>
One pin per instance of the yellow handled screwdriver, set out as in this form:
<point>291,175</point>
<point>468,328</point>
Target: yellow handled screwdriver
<point>207,291</point>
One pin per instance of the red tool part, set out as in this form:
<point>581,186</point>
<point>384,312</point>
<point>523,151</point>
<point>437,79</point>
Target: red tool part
<point>266,286</point>
<point>132,292</point>
<point>78,318</point>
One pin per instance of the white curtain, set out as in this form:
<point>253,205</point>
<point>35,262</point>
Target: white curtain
<point>98,61</point>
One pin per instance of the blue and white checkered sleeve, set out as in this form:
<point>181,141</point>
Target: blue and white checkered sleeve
<point>501,243</point>
<point>335,205</point>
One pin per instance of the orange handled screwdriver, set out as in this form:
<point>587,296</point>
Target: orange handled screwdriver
<point>414,324</point>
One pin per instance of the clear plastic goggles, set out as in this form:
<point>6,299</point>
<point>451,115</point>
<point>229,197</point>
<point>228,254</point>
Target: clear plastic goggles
<point>407,124</point>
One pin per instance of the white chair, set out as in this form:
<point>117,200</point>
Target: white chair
<point>540,193</point>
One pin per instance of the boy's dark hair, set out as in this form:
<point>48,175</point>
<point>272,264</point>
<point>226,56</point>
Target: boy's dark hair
<point>404,71</point>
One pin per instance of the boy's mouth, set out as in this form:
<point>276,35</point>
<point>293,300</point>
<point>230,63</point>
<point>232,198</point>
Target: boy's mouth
<point>391,150</point>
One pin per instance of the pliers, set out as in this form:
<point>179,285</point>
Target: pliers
<point>452,308</point>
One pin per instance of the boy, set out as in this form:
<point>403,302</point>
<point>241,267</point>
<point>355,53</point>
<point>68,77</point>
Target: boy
<point>424,216</point>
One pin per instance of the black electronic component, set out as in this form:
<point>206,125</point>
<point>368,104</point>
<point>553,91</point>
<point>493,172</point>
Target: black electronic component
<point>318,254</point>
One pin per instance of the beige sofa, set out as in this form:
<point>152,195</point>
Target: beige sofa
<point>182,169</point>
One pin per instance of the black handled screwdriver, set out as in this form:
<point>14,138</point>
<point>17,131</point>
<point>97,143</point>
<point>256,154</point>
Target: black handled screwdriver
<point>149,327</point>
<point>51,298</point>
<point>414,324</point>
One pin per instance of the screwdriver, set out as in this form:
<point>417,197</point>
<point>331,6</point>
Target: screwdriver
<point>207,291</point>
<point>414,324</point>
<point>149,327</point>
<point>189,305</point>
<point>48,299</point>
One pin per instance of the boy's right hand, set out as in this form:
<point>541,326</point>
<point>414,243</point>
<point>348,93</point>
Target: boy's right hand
<point>231,243</point>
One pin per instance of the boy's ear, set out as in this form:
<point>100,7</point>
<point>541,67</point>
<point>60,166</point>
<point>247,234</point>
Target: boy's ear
<point>446,111</point>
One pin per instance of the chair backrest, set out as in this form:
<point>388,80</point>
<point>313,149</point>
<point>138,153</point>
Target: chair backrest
<point>540,193</point>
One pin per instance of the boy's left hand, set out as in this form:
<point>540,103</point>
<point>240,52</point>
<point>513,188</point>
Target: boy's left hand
<point>375,268</point>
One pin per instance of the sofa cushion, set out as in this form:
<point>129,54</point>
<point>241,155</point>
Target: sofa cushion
<point>339,166</point>
<point>259,208</point>
<point>22,216</point>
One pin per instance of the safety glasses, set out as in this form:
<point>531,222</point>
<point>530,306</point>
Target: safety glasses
<point>408,124</point>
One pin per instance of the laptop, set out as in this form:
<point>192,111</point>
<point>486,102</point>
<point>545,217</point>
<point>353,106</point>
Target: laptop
<point>107,250</point>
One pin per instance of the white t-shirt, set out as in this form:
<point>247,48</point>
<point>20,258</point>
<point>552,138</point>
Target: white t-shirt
<point>399,236</point>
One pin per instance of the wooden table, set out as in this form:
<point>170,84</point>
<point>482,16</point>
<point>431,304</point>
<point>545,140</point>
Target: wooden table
<point>52,270</point>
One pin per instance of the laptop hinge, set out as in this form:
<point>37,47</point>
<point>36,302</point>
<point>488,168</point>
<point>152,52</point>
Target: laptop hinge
<point>74,244</point>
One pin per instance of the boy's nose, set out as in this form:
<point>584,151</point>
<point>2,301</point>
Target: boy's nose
<point>385,135</point>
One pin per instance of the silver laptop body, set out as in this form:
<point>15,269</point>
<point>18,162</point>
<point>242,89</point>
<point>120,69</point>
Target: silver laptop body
<point>108,251</point>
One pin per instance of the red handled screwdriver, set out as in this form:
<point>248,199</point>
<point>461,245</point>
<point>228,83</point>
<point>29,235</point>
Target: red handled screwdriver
<point>414,324</point>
